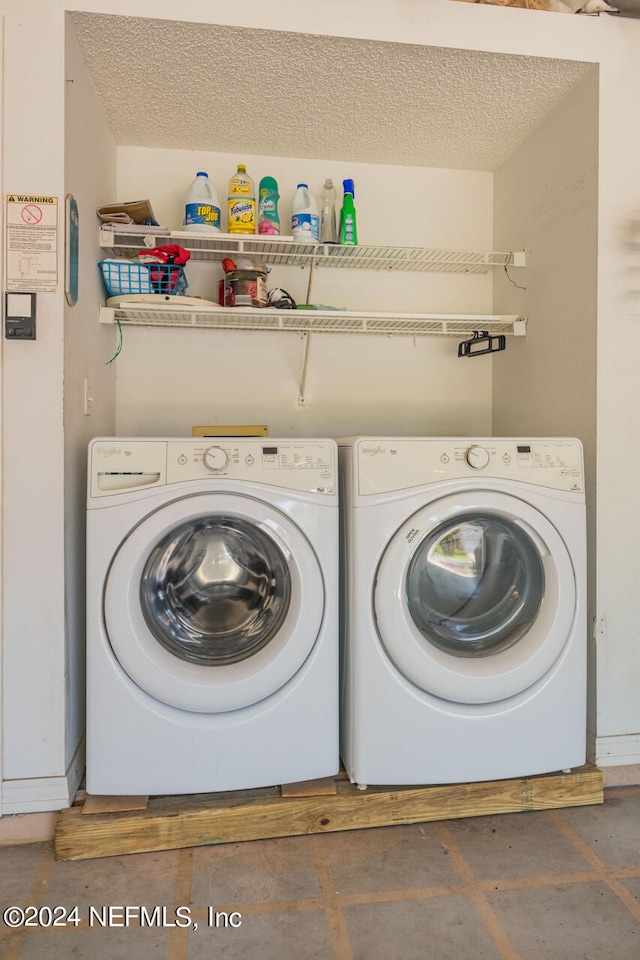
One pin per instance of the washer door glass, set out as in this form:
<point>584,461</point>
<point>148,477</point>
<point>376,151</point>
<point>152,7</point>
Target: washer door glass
<point>215,590</point>
<point>475,585</point>
<point>213,602</point>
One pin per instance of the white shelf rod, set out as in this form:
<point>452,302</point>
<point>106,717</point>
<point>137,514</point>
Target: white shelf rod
<point>302,400</point>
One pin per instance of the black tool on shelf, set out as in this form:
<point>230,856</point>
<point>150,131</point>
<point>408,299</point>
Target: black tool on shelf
<point>482,343</point>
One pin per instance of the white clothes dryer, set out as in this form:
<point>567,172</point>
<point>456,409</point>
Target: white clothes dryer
<point>463,608</point>
<point>212,614</point>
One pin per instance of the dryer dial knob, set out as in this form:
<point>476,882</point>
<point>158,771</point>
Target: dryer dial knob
<point>215,459</point>
<point>477,457</point>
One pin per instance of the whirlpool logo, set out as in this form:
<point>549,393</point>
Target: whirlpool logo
<point>377,449</point>
<point>111,451</point>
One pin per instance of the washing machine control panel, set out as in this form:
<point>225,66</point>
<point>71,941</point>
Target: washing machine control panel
<point>296,464</point>
<point>120,465</point>
<point>388,464</point>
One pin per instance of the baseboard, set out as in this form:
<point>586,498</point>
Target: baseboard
<point>44,794</point>
<point>617,750</point>
<point>35,795</point>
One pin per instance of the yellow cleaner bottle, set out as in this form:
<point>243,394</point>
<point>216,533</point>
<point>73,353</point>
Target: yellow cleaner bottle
<point>241,205</point>
<point>348,227</point>
<point>201,207</point>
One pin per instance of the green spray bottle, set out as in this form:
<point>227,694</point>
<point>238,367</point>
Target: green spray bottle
<point>348,226</point>
<point>268,218</point>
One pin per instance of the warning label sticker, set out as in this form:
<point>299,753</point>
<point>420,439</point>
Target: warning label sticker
<point>31,243</point>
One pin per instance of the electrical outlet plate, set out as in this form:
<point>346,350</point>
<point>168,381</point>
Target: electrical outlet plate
<point>88,399</point>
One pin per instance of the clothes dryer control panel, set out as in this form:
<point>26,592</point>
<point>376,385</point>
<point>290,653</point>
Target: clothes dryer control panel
<point>385,465</point>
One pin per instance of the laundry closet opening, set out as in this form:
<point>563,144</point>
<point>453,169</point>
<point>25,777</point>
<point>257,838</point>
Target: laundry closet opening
<point>454,149</point>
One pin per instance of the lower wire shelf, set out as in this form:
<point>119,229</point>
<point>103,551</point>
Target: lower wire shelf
<point>308,321</point>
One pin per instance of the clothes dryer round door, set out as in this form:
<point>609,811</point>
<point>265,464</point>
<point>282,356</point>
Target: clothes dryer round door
<point>213,602</point>
<point>475,597</point>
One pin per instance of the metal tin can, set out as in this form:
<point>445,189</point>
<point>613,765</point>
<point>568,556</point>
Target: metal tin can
<point>244,288</point>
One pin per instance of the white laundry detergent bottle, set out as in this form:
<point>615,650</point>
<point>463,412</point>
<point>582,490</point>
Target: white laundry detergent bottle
<point>201,208</point>
<point>305,219</point>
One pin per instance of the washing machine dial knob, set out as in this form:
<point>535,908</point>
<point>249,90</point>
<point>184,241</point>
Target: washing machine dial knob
<point>477,457</point>
<point>215,459</point>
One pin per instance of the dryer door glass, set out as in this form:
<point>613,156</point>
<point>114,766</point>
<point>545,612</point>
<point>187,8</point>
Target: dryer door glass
<point>475,585</point>
<point>215,590</point>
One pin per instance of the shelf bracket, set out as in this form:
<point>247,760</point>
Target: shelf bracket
<point>520,327</point>
<point>302,400</point>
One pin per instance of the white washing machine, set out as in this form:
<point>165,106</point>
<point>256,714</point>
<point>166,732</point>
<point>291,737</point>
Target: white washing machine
<point>212,603</point>
<point>463,608</point>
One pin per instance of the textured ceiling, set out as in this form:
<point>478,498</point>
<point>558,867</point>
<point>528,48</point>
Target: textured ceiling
<point>235,90</point>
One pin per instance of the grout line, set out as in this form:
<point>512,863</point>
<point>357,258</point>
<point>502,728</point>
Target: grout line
<point>332,906</point>
<point>263,907</point>
<point>625,896</point>
<point>543,880</point>
<point>578,842</point>
<point>179,936</point>
<point>476,894</point>
<point>34,896</point>
<point>341,900</point>
<point>392,896</point>
<point>604,873</point>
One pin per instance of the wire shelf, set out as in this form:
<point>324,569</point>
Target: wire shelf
<point>281,251</point>
<point>309,321</point>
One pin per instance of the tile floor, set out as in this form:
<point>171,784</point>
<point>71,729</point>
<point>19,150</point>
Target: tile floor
<point>556,885</point>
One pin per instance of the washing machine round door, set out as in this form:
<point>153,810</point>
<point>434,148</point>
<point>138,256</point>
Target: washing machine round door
<point>475,597</point>
<point>213,602</point>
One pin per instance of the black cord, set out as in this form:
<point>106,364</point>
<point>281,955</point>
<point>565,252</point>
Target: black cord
<point>513,281</point>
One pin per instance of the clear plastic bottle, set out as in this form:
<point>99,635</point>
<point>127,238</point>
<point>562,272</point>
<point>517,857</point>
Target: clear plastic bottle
<point>241,202</point>
<point>201,206</point>
<point>348,225</point>
<point>305,219</point>
<point>328,224</point>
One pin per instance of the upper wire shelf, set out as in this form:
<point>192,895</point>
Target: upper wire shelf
<point>281,251</point>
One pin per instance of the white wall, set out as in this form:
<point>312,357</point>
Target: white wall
<point>618,609</point>
<point>44,434</point>
<point>33,474</point>
<point>170,380</point>
<point>2,272</point>
<point>90,176</point>
<point>546,201</point>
